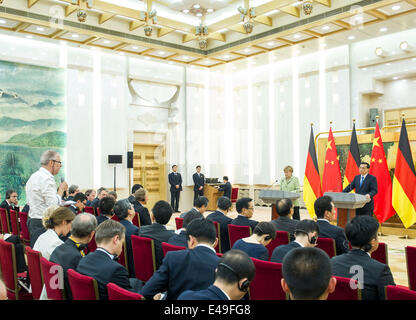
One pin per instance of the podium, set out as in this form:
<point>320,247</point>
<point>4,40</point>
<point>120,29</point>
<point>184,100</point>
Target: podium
<point>212,194</point>
<point>272,196</point>
<point>346,203</point>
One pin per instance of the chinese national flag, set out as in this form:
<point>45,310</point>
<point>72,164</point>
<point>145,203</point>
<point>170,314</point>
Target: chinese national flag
<point>383,208</point>
<point>353,161</point>
<point>331,179</point>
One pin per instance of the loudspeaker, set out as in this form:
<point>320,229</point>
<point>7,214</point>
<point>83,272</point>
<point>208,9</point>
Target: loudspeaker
<point>373,114</point>
<point>115,158</point>
<point>129,159</point>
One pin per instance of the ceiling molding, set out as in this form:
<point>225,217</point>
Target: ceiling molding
<point>31,3</point>
<point>105,17</point>
<point>70,9</point>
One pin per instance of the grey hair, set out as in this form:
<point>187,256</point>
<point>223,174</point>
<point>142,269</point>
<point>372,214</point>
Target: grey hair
<point>121,208</point>
<point>73,188</point>
<point>83,224</point>
<point>48,156</point>
<point>109,229</point>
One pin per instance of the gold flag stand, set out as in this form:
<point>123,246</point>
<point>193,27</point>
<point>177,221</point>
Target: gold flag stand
<point>406,236</point>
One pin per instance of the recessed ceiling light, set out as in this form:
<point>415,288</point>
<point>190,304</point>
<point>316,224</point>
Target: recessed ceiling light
<point>395,8</point>
<point>384,29</point>
<point>226,56</point>
<point>296,36</point>
<point>135,47</point>
<point>74,35</point>
<point>29,37</point>
<point>106,41</point>
<point>199,14</point>
<point>185,10</point>
<point>185,58</point>
<point>325,28</point>
<point>196,6</point>
<point>271,43</point>
<point>2,21</point>
<point>388,64</point>
<point>351,38</point>
<point>358,18</point>
<point>364,69</point>
<point>40,29</point>
<point>323,45</point>
<point>404,46</point>
<point>395,78</point>
<point>161,53</point>
<point>247,50</point>
<point>207,61</point>
<point>210,10</point>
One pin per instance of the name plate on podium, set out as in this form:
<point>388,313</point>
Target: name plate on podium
<point>272,196</point>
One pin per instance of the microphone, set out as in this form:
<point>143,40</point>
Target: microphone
<point>277,180</point>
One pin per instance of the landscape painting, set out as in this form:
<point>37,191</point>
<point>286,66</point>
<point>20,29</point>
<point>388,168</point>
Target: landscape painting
<point>32,120</point>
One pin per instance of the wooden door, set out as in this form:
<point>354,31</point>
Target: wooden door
<point>149,170</point>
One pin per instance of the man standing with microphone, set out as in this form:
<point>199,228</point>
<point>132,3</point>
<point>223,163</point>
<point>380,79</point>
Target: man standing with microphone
<point>41,192</point>
<point>175,181</point>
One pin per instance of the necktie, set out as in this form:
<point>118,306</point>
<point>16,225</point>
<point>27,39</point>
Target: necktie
<point>361,182</point>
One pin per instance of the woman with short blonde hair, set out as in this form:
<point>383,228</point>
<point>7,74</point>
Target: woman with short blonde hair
<point>291,183</point>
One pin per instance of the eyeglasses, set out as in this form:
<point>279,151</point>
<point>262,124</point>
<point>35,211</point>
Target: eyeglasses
<point>60,162</point>
<point>250,208</point>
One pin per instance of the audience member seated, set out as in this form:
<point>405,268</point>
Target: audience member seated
<point>68,254</point>
<point>19,251</point>
<point>113,194</point>
<point>192,269</point>
<point>80,200</point>
<point>3,291</point>
<point>325,212</point>
<point>102,265</point>
<point>306,235</point>
<point>285,222</point>
<point>101,193</point>
<point>141,196</point>
<point>372,274</point>
<point>220,215</point>
<point>245,209</point>
<point>180,238</point>
<point>255,245</point>
<point>90,193</point>
<point>161,214</point>
<point>106,206</point>
<point>10,203</point>
<point>125,213</point>
<point>131,198</point>
<point>233,275</point>
<point>307,274</point>
<point>200,205</point>
<point>72,191</point>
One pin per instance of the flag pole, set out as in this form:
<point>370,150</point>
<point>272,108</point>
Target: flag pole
<point>380,232</point>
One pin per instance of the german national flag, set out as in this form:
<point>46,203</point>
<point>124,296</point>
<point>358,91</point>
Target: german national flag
<point>311,181</point>
<point>404,181</point>
<point>331,177</point>
<point>353,161</point>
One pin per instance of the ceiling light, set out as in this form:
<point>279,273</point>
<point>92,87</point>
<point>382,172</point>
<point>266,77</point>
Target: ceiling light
<point>395,78</point>
<point>185,58</point>
<point>40,29</point>
<point>404,46</point>
<point>210,10</point>
<point>247,50</point>
<point>358,18</point>
<point>106,41</point>
<point>271,43</point>
<point>185,10</point>
<point>380,52</point>
<point>384,29</point>
<point>351,38</point>
<point>388,64</point>
<point>135,47</point>
<point>325,28</point>
<point>2,21</point>
<point>74,35</point>
<point>196,6</point>
<point>395,8</point>
<point>296,36</point>
<point>161,53</point>
<point>323,45</point>
<point>29,37</point>
<point>226,56</point>
<point>207,61</point>
<point>147,58</point>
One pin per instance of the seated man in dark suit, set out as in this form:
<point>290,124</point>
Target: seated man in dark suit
<point>125,213</point>
<point>101,193</point>
<point>226,187</point>
<point>131,198</point>
<point>141,196</point>
<point>180,238</point>
<point>72,191</point>
<point>358,264</point>
<point>192,269</point>
<point>233,275</point>
<point>161,214</point>
<point>325,211</point>
<point>102,265</point>
<point>306,235</point>
<point>80,200</point>
<point>285,222</point>
<point>69,254</point>
<point>200,205</point>
<point>106,206</point>
<point>245,209</point>
<point>307,274</point>
<point>224,205</point>
<point>10,202</point>
<point>365,184</point>
<point>90,193</point>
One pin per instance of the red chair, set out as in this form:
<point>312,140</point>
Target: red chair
<point>282,237</point>
<point>92,246</point>
<point>4,220</point>
<point>266,284</point>
<point>399,293</point>
<point>89,210</point>
<point>115,218</point>
<point>327,245</point>
<point>237,232</point>
<point>82,287</point>
<point>97,211</point>
<point>144,257</point>
<point>9,273</point>
<point>179,223</point>
<point>381,253</point>
<point>219,255</point>
<point>217,229</point>
<point>136,220</point>
<point>344,291</point>
<point>122,258</point>
<point>411,266</point>
<point>35,271</point>
<point>53,279</point>
<point>14,222</point>
<point>234,195</point>
<point>117,293</point>
<point>170,247</point>
<point>25,235</point>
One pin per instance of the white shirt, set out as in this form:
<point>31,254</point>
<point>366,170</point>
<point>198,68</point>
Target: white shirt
<point>41,193</point>
<point>298,243</point>
<point>207,246</point>
<point>47,242</point>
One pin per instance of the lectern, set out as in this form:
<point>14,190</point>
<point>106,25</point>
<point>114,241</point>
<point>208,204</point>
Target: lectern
<point>346,203</point>
<point>212,194</point>
<point>272,196</point>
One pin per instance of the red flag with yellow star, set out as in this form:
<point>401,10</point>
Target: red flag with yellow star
<point>353,161</point>
<point>383,208</point>
<point>331,179</point>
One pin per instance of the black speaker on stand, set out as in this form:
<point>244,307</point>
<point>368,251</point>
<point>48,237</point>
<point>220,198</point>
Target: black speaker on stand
<point>129,165</point>
<point>115,159</point>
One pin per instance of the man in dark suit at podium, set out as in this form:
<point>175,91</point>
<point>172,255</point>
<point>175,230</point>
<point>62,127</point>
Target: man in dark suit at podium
<point>365,184</point>
<point>175,181</point>
<point>199,181</point>
<point>226,187</point>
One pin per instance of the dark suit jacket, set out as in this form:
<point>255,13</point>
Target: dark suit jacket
<point>68,256</point>
<point>280,251</point>
<point>369,186</point>
<point>211,293</point>
<point>198,181</point>
<point>102,268</point>
<point>101,218</point>
<point>192,269</point>
<point>174,180</point>
<point>375,277</point>
<point>182,215</point>
<point>144,214</point>
<point>224,221</point>
<point>226,188</point>
<point>73,209</point>
<point>95,203</point>
<point>131,229</point>
<point>159,234</point>
<point>327,230</point>
<point>286,224</point>
<point>244,221</point>
<point>179,239</point>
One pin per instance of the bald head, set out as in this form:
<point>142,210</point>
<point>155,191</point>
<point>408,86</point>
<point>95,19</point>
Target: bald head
<point>83,225</point>
<point>283,207</point>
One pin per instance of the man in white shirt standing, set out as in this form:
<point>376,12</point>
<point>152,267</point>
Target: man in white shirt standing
<point>41,192</point>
